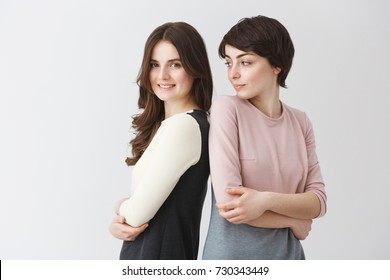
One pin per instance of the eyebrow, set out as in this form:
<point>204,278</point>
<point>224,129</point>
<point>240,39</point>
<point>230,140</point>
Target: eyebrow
<point>240,55</point>
<point>171,60</point>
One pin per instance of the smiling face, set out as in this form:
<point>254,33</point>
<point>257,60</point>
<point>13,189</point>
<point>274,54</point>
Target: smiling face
<point>251,75</point>
<point>170,82</point>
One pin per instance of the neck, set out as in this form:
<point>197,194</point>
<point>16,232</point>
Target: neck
<point>171,109</point>
<point>269,104</point>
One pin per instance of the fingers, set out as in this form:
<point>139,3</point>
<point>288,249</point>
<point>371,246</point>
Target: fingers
<point>238,191</point>
<point>142,227</point>
<point>119,219</point>
<point>126,232</point>
<point>131,233</point>
<point>123,231</point>
<point>235,190</point>
<point>227,205</point>
<point>232,215</point>
<point>224,206</point>
<point>235,220</point>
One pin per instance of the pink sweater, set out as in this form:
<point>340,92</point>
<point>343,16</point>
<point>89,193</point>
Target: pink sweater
<point>250,149</point>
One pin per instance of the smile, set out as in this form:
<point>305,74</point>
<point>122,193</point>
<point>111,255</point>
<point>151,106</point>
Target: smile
<point>165,86</point>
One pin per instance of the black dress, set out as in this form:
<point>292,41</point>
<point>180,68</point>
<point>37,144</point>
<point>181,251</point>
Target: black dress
<point>173,233</point>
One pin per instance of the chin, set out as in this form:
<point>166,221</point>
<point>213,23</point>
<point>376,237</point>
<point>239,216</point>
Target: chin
<point>242,95</point>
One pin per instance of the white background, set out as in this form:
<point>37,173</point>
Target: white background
<point>67,94</point>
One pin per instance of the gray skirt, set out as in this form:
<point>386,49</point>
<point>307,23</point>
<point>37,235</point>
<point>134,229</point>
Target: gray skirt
<point>227,241</point>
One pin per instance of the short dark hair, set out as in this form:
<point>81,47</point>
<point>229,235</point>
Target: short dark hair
<point>266,37</point>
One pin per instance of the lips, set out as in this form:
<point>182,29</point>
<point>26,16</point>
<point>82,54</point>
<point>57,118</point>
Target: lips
<point>166,86</point>
<point>238,86</point>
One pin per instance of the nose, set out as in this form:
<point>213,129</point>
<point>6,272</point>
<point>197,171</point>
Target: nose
<point>163,74</point>
<point>234,73</point>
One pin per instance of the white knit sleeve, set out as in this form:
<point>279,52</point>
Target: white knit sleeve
<point>176,147</point>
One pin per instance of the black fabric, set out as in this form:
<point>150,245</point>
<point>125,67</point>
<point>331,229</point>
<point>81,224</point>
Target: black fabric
<point>173,233</point>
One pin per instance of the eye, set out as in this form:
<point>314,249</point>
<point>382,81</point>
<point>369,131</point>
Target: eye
<point>175,65</point>
<point>153,65</point>
<point>228,64</point>
<point>245,63</point>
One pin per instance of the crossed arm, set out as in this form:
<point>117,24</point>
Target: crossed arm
<point>175,148</point>
<point>271,210</point>
<point>238,204</point>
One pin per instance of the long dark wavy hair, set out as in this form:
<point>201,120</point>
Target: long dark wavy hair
<point>193,55</point>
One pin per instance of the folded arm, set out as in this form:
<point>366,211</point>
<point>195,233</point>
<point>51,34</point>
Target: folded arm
<point>175,148</point>
<point>255,208</point>
<point>244,205</point>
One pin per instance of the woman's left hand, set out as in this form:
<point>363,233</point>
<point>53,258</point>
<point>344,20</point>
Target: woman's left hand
<point>250,205</point>
<point>119,229</point>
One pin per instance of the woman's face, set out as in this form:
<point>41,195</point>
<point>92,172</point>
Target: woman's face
<point>170,82</point>
<point>250,74</point>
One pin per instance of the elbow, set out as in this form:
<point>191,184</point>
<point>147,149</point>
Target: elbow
<point>133,218</point>
<point>136,221</point>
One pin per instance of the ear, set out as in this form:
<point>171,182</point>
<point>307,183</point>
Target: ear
<point>277,70</point>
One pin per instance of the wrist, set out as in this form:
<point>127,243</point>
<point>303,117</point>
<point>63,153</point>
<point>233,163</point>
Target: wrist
<point>290,222</point>
<point>270,198</point>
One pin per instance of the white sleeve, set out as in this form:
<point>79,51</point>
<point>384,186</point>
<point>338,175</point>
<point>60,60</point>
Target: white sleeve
<point>176,148</point>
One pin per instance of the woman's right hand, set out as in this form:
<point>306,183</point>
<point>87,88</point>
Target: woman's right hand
<point>301,228</point>
<point>119,229</point>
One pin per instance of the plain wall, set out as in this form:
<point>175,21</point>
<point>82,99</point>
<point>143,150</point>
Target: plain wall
<point>67,94</point>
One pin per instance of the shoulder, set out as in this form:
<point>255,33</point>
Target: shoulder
<point>181,124</point>
<point>227,100</point>
<point>200,116</point>
<point>225,104</point>
<point>293,111</point>
<point>298,115</point>
<point>181,119</point>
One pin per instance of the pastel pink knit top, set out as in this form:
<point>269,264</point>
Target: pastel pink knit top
<point>250,149</point>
